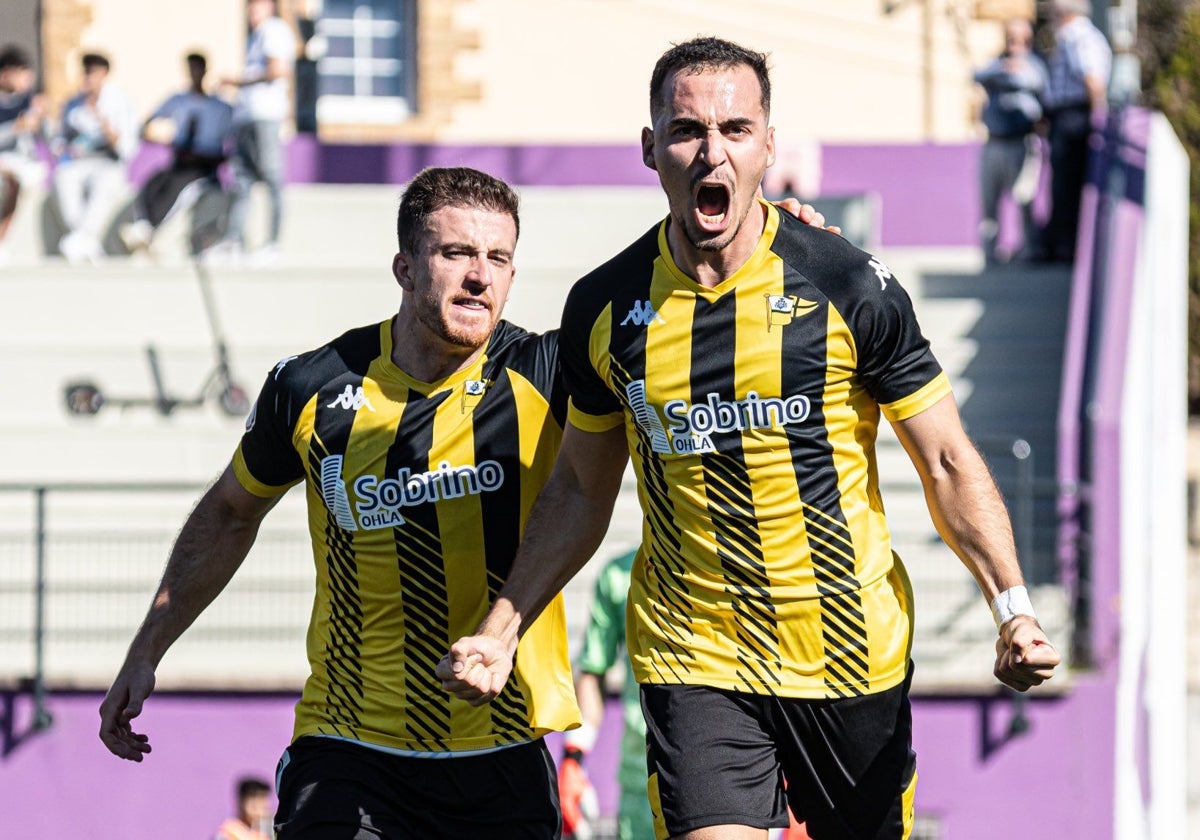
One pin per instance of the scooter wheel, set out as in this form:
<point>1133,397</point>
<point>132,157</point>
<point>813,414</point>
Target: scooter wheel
<point>234,400</point>
<point>83,398</point>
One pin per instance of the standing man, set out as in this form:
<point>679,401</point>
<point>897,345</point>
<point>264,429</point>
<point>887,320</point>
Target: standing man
<point>263,103</point>
<point>603,647</point>
<point>744,361</point>
<point>1011,158</point>
<point>22,115</point>
<point>1076,99</point>
<point>197,125</point>
<point>422,442</point>
<point>99,136</point>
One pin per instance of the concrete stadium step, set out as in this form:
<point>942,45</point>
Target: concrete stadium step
<point>990,330</point>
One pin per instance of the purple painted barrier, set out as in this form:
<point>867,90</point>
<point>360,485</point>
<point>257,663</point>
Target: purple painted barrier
<point>929,193</point>
<point>63,783</point>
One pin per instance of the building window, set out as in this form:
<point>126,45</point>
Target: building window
<point>366,72</point>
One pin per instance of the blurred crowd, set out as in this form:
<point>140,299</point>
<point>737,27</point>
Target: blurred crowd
<point>1041,105</point>
<point>223,139</point>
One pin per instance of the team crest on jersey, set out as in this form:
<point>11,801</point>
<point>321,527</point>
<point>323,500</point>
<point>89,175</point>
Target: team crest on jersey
<point>781,309</point>
<point>473,392</point>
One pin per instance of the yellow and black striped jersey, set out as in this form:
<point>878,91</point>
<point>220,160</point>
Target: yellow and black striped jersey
<point>751,411</point>
<point>418,494</point>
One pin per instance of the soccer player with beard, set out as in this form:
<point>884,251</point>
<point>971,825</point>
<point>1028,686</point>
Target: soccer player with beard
<point>422,442</point>
<point>744,360</point>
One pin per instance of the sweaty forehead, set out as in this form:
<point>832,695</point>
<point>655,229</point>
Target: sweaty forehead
<point>723,92</point>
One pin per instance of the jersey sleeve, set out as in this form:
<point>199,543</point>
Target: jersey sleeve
<point>593,407</point>
<point>266,462</point>
<point>895,362</point>
<point>606,626</point>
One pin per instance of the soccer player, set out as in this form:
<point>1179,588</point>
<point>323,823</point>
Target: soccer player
<point>422,442</point>
<point>744,361</point>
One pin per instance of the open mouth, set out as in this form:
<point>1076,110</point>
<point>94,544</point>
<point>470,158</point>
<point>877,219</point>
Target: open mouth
<point>712,206</point>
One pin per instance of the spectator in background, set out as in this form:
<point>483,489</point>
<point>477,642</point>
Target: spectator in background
<point>21,118</point>
<point>1011,161</point>
<point>603,647</point>
<point>263,104</point>
<point>254,813</point>
<point>98,136</point>
<point>1075,100</point>
<point>196,124</point>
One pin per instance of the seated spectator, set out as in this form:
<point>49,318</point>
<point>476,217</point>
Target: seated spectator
<point>196,124</point>
<point>98,136</point>
<point>21,118</point>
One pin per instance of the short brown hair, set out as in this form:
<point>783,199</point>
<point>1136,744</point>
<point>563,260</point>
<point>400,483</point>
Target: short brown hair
<point>450,186</point>
<point>707,54</point>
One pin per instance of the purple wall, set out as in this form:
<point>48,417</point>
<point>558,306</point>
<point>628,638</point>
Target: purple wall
<point>930,193</point>
<point>62,782</point>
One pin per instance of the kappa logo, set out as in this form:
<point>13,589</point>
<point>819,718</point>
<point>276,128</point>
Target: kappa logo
<point>881,271</point>
<point>282,364</point>
<point>642,314</point>
<point>781,309</point>
<point>351,398</point>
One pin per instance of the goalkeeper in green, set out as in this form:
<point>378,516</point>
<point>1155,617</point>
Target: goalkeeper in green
<point>603,647</point>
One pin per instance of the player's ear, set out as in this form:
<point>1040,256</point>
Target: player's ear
<point>648,147</point>
<point>400,270</point>
<point>770,145</point>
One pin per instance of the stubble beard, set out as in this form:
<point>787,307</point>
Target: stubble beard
<point>437,322</point>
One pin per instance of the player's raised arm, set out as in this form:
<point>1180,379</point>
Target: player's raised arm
<point>211,546</point>
<point>971,517</point>
<point>566,526</point>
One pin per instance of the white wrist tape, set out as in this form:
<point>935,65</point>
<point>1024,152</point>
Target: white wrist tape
<point>1010,603</point>
<point>582,739</point>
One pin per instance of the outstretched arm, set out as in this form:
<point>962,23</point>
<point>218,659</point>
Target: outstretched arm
<point>566,526</point>
<point>211,546</point>
<point>970,516</point>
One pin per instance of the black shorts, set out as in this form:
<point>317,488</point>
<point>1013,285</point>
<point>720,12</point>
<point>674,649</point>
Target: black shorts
<point>724,758</point>
<point>336,790</point>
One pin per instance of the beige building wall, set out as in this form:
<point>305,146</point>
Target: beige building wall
<point>550,71</point>
<point>578,70</point>
<point>145,40</point>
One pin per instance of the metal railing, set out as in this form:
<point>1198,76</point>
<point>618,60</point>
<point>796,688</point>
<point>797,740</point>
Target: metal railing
<point>79,563</point>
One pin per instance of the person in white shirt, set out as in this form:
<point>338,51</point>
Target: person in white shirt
<point>97,137</point>
<point>264,102</point>
<point>1075,100</point>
